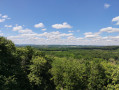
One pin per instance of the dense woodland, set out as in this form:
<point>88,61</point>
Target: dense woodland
<point>58,67</point>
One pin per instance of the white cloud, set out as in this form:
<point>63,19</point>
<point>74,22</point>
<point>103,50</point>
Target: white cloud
<point>27,36</point>
<point>70,31</point>
<point>26,31</point>
<point>106,5</point>
<point>116,19</point>
<point>61,26</point>
<point>8,26</point>
<point>97,34</point>
<point>2,20</point>
<point>109,30</point>
<point>55,34</point>
<point>20,30</point>
<point>44,29</point>
<point>5,16</point>
<point>39,25</point>
<point>46,38</point>
<point>91,35</point>
<point>64,39</point>
<point>17,28</point>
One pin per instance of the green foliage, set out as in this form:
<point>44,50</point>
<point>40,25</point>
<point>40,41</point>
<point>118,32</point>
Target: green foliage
<point>9,83</point>
<point>68,74</point>
<point>8,60</point>
<point>6,46</point>
<point>97,76</point>
<point>39,74</point>
<point>58,68</point>
<point>36,69</point>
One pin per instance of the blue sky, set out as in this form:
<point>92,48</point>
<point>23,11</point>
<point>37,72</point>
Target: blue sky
<point>79,22</point>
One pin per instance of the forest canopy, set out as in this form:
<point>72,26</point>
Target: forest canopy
<point>53,68</point>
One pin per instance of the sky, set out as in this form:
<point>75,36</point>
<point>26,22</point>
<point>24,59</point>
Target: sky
<point>60,22</point>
